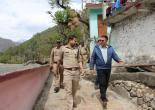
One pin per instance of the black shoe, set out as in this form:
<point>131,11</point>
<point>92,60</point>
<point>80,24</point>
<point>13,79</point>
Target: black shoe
<point>105,100</point>
<point>56,89</point>
<point>104,104</point>
<point>74,105</point>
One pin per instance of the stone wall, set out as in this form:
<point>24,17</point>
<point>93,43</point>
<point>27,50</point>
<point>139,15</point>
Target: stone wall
<point>137,87</point>
<point>147,78</point>
<point>139,94</point>
<point>134,38</point>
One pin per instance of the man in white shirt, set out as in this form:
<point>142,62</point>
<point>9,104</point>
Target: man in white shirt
<point>102,59</point>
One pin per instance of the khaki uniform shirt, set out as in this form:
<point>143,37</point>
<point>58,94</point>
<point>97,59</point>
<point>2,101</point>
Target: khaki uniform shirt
<point>55,55</point>
<point>83,51</point>
<point>71,57</point>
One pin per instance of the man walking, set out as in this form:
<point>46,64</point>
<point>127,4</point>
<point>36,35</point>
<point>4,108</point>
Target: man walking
<point>55,68</point>
<point>72,63</point>
<point>102,57</point>
<point>85,54</point>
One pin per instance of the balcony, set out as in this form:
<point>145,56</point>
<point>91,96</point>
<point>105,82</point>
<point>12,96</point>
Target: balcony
<point>129,9</point>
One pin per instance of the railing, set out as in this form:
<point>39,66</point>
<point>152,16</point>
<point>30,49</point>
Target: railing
<point>93,1</point>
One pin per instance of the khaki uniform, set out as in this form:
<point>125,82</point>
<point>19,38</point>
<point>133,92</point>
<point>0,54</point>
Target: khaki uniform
<point>71,58</point>
<point>58,72</point>
<point>84,54</point>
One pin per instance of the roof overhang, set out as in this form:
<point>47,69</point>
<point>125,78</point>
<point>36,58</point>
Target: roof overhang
<point>94,6</point>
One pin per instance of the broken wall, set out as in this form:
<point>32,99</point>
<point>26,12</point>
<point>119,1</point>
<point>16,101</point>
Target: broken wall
<point>134,38</point>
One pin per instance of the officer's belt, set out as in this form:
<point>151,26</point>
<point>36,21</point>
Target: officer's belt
<point>72,69</point>
<point>84,54</point>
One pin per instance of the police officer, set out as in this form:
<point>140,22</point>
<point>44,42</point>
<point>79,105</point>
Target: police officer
<point>85,54</point>
<point>72,63</point>
<point>56,68</point>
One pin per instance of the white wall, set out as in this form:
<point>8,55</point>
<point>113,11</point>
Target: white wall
<point>134,38</point>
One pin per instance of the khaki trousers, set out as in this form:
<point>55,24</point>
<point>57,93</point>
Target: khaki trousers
<point>71,83</point>
<point>58,75</point>
<point>85,60</point>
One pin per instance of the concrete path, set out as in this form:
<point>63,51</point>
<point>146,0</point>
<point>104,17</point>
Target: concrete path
<point>87,99</point>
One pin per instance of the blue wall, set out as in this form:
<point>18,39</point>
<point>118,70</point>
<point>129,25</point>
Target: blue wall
<point>93,13</point>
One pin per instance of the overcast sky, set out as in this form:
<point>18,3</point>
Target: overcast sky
<point>21,19</point>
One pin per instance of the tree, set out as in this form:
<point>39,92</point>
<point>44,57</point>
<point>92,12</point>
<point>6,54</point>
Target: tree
<point>59,3</point>
<point>68,20</point>
<point>72,18</point>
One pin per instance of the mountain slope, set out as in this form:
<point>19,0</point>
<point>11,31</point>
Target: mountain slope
<point>37,48</point>
<point>5,44</point>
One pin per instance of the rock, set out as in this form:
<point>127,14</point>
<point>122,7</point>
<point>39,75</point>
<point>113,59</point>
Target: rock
<point>148,104</point>
<point>141,86</point>
<point>121,91</point>
<point>133,92</point>
<point>128,85</point>
<point>128,88</point>
<point>134,100</point>
<point>140,108</point>
<point>139,93</point>
<point>148,97</point>
<point>117,82</point>
<point>139,101</point>
<point>153,103</point>
<point>149,108</point>
<point>145,107</point>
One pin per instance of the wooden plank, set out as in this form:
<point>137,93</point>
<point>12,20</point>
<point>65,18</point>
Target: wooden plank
<point>134,65</point>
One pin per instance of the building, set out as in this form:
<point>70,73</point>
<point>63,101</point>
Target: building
<point>132,29</point>
<point>97,27</point>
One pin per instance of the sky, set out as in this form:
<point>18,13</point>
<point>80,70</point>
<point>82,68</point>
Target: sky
<point>21,19</point>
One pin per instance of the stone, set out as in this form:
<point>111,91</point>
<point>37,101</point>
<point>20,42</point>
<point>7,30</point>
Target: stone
<point>128,85</point>
<point>140,108</point>
<point>134,100</point>
<point>117,82</point>
<point>142,86</point>
<point>151,96</point>
<point>153,103</point>
<point>148,97</point>
<point>145,107</point>
<point>121,91</point>
<point>149,108</point>
<point>149,104</point>
<point>133,92</point>
<point>128,88</point>
<point>139,93</point>
<point>139,101</point>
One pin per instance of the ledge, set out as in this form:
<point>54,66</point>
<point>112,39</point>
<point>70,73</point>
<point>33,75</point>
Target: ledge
<point>147,78</point>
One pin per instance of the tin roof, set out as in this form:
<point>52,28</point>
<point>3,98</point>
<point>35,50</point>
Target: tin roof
<point>92,5</point>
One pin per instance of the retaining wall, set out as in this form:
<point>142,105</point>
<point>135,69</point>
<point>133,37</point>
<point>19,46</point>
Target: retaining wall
<point>19,90</point>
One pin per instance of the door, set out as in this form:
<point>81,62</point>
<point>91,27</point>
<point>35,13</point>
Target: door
<point>102,28</point>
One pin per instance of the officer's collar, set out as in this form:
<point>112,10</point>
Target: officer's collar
<point>58,47</point>
<point>67,46</point>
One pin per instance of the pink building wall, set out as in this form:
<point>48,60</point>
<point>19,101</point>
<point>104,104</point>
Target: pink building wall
<point>19,90</point>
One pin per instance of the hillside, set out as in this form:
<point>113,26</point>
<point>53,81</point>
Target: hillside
<point>5,44</point>
<point>37,48</point>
